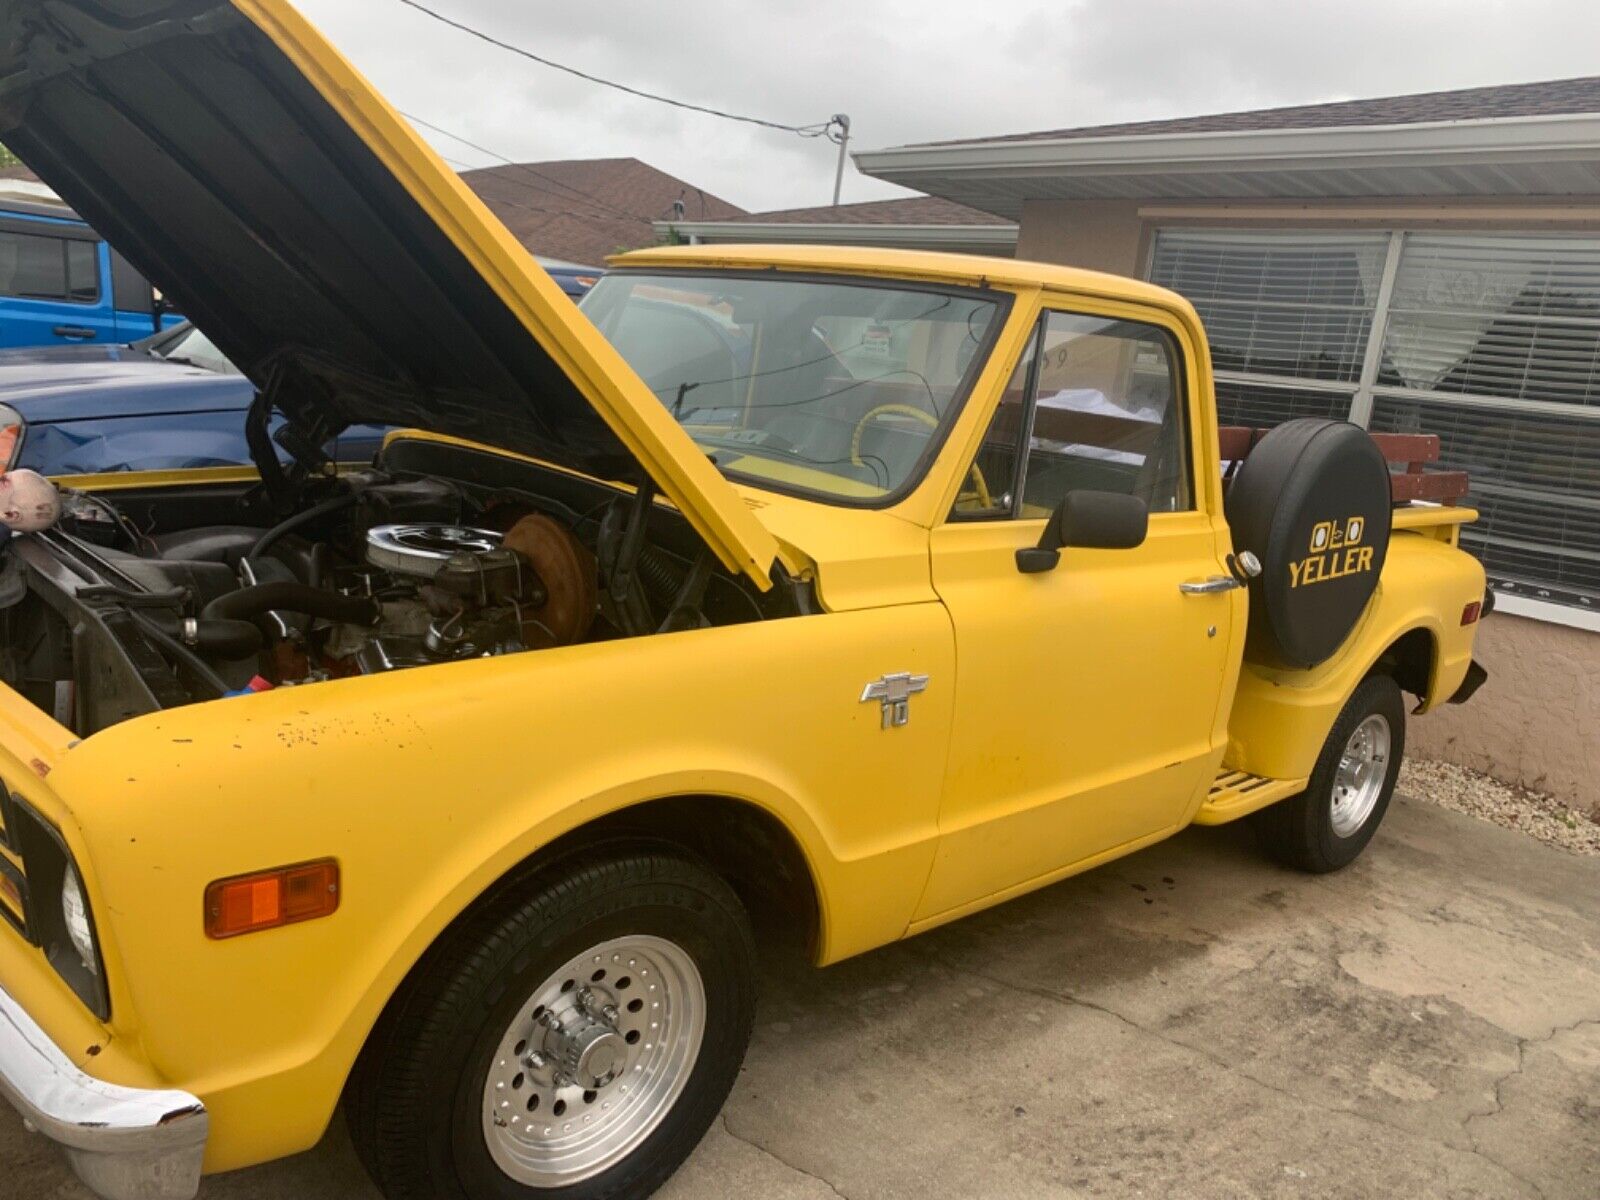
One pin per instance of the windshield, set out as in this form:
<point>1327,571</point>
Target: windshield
<point>188,345</point>
<point>839,389</point>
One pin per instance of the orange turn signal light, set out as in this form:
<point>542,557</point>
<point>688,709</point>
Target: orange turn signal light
<point>268,899</point>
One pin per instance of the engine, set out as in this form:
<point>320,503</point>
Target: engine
<point>123,608</point>
<point>440,592</point>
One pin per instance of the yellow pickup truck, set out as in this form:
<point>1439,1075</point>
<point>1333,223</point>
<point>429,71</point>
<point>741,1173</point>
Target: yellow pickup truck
<point>849,590</point>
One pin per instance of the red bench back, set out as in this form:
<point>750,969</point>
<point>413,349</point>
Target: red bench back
<point>1412,451</point>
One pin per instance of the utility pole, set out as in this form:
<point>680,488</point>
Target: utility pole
<point>843,122</point>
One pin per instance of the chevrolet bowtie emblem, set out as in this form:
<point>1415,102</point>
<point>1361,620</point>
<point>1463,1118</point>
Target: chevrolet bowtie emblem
<point>894,692</point>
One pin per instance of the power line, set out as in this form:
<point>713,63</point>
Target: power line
<point>817,130</point>
<point>525,169</point>
<point>533,208</point>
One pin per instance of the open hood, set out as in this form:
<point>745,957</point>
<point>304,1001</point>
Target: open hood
<point>256,178</point>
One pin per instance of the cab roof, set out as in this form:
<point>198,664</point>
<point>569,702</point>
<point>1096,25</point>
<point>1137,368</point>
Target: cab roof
<point>927,265</point>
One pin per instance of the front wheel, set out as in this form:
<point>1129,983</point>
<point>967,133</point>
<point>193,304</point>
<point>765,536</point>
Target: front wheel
<point>1326,826</point>
<point>572,1040</point>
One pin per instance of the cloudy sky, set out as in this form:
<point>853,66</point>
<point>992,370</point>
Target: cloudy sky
<point>914,70</point>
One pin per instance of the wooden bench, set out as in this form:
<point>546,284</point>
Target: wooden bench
<point>1412,451</point>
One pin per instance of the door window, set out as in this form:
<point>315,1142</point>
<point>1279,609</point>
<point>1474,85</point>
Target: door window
<point>130,291</point>
<point>41,267</point>
<point>989,489</point>
<point>1104,412</point>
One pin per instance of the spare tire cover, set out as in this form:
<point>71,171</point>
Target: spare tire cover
<point>1312,501</point>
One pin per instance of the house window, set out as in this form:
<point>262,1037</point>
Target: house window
<point>1491,341</point>
<point>1295,306</point>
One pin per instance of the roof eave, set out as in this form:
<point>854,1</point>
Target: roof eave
<point>1501,139</point>
<point>848,234</point>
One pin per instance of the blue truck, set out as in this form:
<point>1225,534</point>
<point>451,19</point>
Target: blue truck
<point>61,284</point>
<point>168,401</point>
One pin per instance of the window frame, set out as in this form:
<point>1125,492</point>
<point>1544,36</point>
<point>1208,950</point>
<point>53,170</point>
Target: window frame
<point>1184,399</point>
<point>1019,463</point>
<point>64,234</point>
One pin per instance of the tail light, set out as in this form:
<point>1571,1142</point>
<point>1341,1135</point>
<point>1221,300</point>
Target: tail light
<point>1471,613</point>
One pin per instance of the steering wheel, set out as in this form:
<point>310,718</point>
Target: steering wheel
<point>979,485</point>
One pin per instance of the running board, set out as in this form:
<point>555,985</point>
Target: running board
<point>1236,794</point>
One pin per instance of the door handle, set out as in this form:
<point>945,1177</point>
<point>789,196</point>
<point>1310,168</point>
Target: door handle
<point>1208,587</point>
<point>78,332</point>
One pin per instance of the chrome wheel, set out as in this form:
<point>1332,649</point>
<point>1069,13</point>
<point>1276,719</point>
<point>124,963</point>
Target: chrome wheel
<point>594,1060</point>
<point>1363,768</point>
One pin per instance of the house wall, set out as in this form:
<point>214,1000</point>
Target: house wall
<point>1099,235</point>
<point>1535,722</point>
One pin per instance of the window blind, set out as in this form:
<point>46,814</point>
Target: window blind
<point>1262,407</point>
<point>1514,318</point>
<point>1535,481</point>
<point>1278,304</point>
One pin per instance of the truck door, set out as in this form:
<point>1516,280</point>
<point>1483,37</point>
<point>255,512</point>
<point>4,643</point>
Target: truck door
<point>139,312</point>
<point>52,283</point>
<point>1087,697</point>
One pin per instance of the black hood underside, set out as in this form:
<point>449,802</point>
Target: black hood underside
<point>189,140</point>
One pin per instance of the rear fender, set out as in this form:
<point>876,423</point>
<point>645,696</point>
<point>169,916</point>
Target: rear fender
<point>1281,718</point>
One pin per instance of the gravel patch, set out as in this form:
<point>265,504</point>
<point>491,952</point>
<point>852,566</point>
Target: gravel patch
<point>1477,795</point>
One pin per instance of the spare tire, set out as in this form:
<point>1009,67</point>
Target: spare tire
<point>1312,502</point>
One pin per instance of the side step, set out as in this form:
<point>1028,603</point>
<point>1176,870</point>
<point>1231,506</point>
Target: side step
<point>1236,794</point>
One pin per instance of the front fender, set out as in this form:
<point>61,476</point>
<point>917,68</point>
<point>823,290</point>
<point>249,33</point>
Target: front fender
<point>1281,718</point>
<point>430,784</point>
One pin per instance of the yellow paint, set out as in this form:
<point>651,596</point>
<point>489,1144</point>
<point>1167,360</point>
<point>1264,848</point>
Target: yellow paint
<point>1228,801</point>
<point>1281,716</point>
<point>1070,717</point>
<point>123,481</point>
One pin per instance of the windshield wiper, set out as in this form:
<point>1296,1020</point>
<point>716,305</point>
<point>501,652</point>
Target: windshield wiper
<point>684,389</point>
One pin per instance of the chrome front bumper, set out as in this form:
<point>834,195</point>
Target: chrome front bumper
<point>124,1143</point>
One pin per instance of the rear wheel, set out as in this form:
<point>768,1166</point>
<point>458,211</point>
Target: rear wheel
<point>1326,826</point>
<point>574,1040</point>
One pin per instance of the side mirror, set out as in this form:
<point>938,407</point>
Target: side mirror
<point>1091,521</point>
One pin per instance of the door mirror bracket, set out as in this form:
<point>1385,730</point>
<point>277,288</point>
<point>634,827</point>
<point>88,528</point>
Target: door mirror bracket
<point>1090,521</point>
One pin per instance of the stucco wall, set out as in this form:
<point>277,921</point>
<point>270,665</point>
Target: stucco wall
<point>1537,721</point>
<point>1100,235</point>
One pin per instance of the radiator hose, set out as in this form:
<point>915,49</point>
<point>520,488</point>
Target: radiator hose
<point>210,637</point>
<point>286,596</point>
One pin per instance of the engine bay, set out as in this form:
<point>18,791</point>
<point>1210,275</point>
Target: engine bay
<point>135,602</point>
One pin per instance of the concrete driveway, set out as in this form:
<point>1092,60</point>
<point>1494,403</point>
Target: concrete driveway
<point>1189,1022</point>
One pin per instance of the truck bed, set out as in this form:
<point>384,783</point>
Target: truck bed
<point>1411,451</point>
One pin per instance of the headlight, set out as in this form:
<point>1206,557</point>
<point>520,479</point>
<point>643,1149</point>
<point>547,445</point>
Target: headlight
<point>75,915</point>
<point>60,921</point>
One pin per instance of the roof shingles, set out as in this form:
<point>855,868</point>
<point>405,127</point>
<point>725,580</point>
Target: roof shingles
<point>907,210</point>
<point>1554,97</point>
<point>582,210</point>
